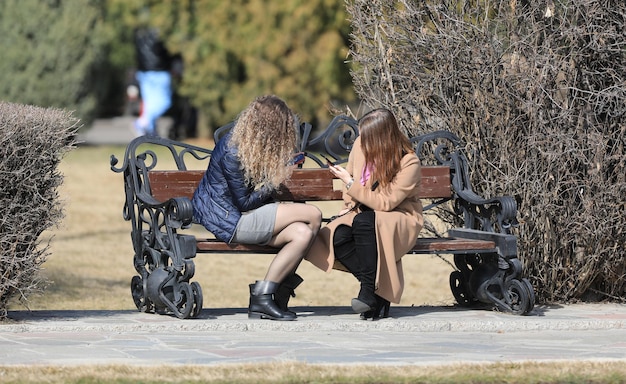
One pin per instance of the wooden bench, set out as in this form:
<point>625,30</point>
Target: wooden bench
<point>158,205</point>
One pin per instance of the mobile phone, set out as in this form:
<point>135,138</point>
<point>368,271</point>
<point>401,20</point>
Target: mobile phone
<point>330,163</point>
<point>298,159</point>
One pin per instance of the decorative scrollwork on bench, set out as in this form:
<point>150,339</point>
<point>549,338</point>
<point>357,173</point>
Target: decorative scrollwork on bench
<point>497,214</point>
<point>161,255</point>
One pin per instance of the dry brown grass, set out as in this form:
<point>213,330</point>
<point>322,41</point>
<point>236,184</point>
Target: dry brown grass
<point>584,372</point>
<point>90,266</point>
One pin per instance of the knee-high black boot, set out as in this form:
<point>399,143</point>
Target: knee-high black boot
<point>364,233</point>
<point>262,303</point>
<point>356,249</point>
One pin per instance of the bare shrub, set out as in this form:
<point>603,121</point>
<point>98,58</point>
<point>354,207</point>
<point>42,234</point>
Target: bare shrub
<point>32,143</point>
<point>537,90</point>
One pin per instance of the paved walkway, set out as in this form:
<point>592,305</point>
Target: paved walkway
<point>321,335</point>
<point>115,131</point>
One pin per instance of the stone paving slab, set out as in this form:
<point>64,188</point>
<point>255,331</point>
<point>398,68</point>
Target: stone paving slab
<point>321,335</point>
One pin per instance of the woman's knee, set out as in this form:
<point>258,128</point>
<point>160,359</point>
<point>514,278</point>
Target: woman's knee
<point>315,215</point>
<point>307,214</point>
<point>299,232</point>
<point>312,217</point>
<point>364,221</point>
<point>305,231</point>
<point>342,235</point>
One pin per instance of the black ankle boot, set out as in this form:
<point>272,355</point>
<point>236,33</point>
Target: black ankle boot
<point>262,305</point>
<point>286,290</point>
<point>380,311</point>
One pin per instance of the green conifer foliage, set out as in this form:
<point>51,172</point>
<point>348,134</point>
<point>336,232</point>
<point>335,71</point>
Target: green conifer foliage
<point>49,50</point>
<point>240,49</point>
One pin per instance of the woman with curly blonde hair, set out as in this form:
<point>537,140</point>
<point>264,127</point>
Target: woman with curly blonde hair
<point>234,200</point>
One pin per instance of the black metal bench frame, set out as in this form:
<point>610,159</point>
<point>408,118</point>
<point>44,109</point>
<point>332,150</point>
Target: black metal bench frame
<point>489,273</point>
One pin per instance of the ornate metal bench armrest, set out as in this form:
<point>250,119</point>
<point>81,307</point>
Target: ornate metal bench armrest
<point>495,214</point>
<point>177,212</point>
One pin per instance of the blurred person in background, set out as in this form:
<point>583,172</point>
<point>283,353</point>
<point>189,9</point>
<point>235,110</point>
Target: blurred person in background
<point>154,78</point>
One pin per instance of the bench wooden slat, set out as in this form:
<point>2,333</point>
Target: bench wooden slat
<point>423,245</point>
<point>216,246</point>
<point>451,244</point>
<point>167,184</point>
<point>304,185</point>
<point>436,182</point>
<point>310,185</point>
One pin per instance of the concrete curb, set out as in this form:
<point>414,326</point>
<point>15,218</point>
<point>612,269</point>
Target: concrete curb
<point>328,319</point>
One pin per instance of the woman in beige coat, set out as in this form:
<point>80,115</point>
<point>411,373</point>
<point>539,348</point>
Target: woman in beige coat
<point>382,214</point>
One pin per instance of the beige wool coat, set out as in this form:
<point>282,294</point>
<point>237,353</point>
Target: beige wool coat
<point>398,221</point>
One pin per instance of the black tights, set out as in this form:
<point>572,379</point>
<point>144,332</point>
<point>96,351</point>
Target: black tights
<point>355,247</point>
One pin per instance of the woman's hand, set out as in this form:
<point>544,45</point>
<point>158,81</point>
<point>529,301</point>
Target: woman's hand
<point>341,173</point>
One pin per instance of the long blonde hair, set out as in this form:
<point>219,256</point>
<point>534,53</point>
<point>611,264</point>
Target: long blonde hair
<point>265,135</point>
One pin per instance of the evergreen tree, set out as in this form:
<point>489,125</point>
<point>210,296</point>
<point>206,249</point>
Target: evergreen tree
<point>240,49</point>
<point>77,55</point>
<point>49,53</point>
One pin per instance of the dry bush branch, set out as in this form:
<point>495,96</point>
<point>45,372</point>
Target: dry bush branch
<point>537,90</point>
<point>32,143</point>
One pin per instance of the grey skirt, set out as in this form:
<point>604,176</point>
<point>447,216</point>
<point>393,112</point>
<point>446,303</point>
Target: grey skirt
<point>256,226</point>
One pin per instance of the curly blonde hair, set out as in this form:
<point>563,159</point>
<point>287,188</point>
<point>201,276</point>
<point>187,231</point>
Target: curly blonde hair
<point>266,135</point>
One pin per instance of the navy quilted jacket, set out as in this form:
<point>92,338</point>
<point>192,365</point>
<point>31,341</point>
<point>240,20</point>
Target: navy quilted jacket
<point>223,193</point>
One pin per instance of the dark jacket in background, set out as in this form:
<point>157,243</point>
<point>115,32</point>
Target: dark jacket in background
<point>151,53</point>
<point>223,193</point>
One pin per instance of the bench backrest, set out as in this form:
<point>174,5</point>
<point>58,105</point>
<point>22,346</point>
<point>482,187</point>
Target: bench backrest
<point>305,184</point>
